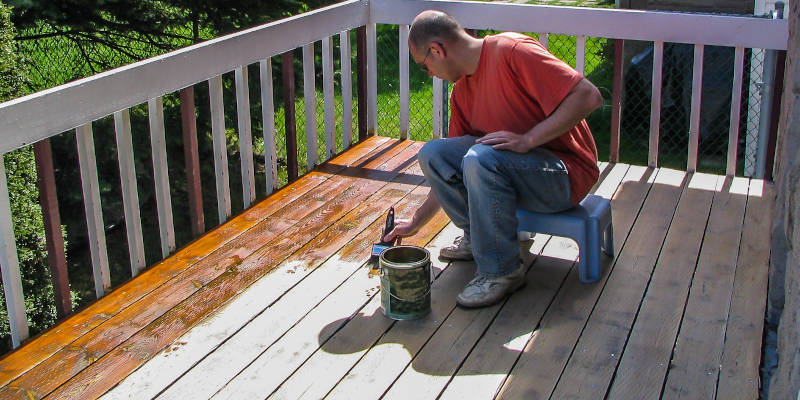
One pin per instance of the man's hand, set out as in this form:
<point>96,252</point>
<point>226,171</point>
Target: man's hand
<point>409,227</point>
<point>402,228</point>
<point>505,140</point>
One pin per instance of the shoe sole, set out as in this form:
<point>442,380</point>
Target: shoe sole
<point>490,303</point>
<point>446,258</point>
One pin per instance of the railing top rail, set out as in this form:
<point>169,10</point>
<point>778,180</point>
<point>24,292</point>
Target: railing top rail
<point>37,116</point>
<point>707,29</point>
<point>31,118</point>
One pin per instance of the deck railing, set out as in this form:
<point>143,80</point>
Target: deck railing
<point>35,118</point>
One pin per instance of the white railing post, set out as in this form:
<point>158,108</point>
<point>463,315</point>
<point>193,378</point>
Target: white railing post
<point>9,264</point>
<point>268,124</point>
<point>94,213</point>
<point>439,104</point>
<point>372,80</point>
<point>736,104</point>
<point>158,143</point>
<point>580,54</point>
<point>543,39</point>
<point>328,97</point>
<point>404,90</point>
<point>347,89</point>
<point>220,148</point>
<point>655,105</point>
<point>245,136</point>
<point>310,100</point>
<point>694,119</point>
<point>130,192</point>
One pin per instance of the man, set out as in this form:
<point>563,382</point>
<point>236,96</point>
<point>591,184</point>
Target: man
<point>517,138</point>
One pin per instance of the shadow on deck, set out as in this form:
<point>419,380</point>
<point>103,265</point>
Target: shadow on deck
<point>277,303</point>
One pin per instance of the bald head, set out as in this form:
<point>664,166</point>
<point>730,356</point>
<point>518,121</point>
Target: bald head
<point>434,26</point>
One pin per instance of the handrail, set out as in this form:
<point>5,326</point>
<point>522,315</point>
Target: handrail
<point>675,27</point>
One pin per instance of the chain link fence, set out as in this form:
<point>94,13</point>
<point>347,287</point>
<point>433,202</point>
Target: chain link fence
<point>718,63</point>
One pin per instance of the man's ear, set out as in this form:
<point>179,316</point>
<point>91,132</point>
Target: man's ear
<point>438,48</point>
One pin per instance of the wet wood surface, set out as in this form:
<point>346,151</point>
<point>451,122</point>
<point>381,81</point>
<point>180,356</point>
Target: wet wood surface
<point>278,303</point>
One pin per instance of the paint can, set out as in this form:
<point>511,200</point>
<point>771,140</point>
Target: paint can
<point>405,282</point>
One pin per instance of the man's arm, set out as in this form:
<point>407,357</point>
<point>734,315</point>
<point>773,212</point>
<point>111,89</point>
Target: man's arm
<point>579,102</point>
<point>423,214</point>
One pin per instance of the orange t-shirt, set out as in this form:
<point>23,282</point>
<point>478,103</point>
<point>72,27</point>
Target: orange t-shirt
<point>517,85</point>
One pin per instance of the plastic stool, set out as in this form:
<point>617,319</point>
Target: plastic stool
<point>589,224</point>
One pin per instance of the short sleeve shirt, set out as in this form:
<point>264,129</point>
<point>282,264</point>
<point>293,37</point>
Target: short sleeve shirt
<point>518,84</point>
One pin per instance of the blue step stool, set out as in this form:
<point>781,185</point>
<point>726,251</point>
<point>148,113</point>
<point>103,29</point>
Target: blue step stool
<point>589,224</point>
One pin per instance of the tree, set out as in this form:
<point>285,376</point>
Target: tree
<point>25,210</point>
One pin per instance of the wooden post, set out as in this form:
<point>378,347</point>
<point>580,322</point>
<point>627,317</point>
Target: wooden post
<point>191,159</point>
<point>361,77</point>
<point>52,227</point>
<point>9,267</point>
<point>694,116</point>
<point>616,102</point>
<point>347,89</point>
<point>777,93</point>
<point>287,64</point>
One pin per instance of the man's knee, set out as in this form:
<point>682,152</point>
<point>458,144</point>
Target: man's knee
<point>479,156</point>
<point>429,151</point>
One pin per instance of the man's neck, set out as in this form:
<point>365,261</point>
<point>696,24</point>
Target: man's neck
<point>472,55</point>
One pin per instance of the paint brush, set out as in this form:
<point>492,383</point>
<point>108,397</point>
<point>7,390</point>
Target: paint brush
<point>379,247</point>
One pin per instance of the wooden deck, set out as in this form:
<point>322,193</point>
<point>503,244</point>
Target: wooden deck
<point>277,303</point>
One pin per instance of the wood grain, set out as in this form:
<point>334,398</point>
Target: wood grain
<point>563,322</point>
<point>206,297</point>
<point>53,340</point>
<point>644,363</point>
<point>698,349</point>
<point>595,358</point>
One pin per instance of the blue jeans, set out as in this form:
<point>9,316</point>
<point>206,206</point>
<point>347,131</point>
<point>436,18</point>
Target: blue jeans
<point>480,189</point>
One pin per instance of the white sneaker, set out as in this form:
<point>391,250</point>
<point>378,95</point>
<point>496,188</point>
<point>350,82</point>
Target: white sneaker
<point>484,291</point>
<point>461,249</point>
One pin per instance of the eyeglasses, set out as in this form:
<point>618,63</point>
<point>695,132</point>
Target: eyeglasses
<point>422,65</point>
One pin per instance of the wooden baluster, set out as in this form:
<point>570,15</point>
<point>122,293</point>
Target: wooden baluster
<point>220,148</point>
<point>438,108</point>
<point>130,192</point>
<point>736,107</point>
<point>616,101</point>
<point>268,124</point>
<point>694,118</point>
<point>310,102</point>
<point>404,84</point>
<point>91,203</point>
<point>287,64</point>
<point>245,136</point>
<point>328,96</point>
<point>580,54</point>
<point>52,227</point>
<point>655,104</point>
<point>158,144</point>
<point>347,89</point>
<point>361,76</point>
<point>9,266</point>
<point>192,161</point>
<point>372,80</point>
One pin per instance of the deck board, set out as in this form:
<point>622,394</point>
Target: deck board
<point>740,360</point>
<point>277,303</point>
<point>47,344</point>
<point>698,349</point>
<point>644,363</point>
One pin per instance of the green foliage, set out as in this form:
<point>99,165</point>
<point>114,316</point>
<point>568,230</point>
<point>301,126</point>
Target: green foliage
<point>11,77</point>
<point>23,195</point>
